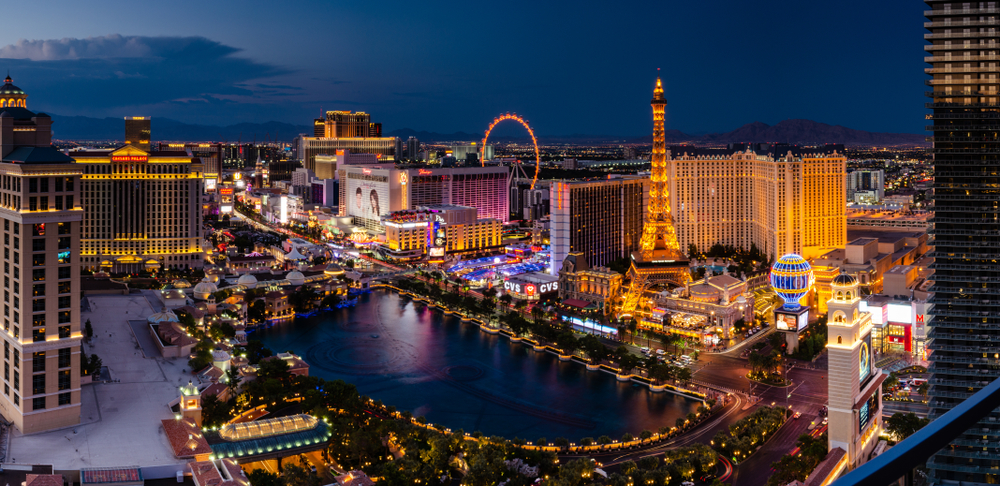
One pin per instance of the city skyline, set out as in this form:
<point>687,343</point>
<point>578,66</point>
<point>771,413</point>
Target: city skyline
<point>432,69</point>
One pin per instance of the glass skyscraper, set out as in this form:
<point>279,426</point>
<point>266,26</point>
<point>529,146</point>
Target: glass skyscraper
<point>965,114</point>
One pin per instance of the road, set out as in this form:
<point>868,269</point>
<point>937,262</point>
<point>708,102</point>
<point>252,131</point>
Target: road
<point>806,394</point>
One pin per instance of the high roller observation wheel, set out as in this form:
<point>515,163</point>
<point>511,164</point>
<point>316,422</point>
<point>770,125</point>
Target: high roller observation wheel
<point>524,123</point>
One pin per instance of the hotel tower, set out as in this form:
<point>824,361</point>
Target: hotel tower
<point>963,56</point>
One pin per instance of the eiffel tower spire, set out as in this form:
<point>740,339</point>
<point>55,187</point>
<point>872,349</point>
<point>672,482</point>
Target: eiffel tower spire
<point>659,259</point>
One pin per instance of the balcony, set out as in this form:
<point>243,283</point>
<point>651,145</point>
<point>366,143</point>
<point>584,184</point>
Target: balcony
<point>970,57</point>
<point>961,47</point>
<point>961,35</point>
<point>962,23</point>
<point>954,69</point>
<point>960,11</point>
<point>965,82</point>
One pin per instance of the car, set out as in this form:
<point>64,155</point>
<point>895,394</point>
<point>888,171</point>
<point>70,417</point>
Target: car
<point>660,352</point>
<point>826,420</point>
<point>707,478</point>
<point>644,350</point>
<point>797,415</point>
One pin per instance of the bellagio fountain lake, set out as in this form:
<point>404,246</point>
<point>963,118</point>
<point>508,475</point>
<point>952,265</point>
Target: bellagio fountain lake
<point>419,359</point>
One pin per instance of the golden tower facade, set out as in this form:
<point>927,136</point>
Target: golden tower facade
<point>659,259</point>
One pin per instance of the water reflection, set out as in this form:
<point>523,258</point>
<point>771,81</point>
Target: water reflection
<point>434,365</point>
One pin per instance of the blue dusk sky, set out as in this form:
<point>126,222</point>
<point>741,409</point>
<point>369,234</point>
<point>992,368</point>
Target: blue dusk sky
<point>576,67</point>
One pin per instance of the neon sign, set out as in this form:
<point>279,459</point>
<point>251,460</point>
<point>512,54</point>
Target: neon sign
<point>366,171</point>
<point>424,172</point>
<point>129,158</point>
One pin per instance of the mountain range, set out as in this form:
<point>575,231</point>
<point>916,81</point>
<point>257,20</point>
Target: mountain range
<point>790,131</point>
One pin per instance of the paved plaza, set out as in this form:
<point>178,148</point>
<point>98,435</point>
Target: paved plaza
<point>120,421</point>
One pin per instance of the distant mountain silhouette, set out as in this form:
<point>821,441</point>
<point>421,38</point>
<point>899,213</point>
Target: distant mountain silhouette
<point>795,131</point>
<point>165,129</point>
<point>423,136</point>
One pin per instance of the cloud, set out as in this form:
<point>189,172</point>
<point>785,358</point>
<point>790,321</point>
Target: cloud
<point>161,76</point>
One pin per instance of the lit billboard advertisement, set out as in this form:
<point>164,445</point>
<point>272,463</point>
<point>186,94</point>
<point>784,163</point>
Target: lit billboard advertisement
<point>367,198</point>
<point>868,410</point>
<point>901,313</point>
<point>283,214</point>
<point>865,359</point>
<point>791,322</point>
<point>210,184</point>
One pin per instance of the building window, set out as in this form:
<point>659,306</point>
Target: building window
<point>64,228</point>
<point>64,399</point>
<point>63,332</point>
<point>38,335</point>
<point>38,384</point>
<point>45,184</point>
<point>38,305</point>
<point>38,244</point>
<point>38,260</point>
<point>63,301</point>
<point>33,184</point>
<point>38,403</point>
<point>38,362</point>
<point>64,380</point>
<point>65,355</point>
<point>38,229</point>
<point>64,317</point>
<point>64,272</point>
<point>64,243</point>
<point>17,399</point>
<point>38,290</point>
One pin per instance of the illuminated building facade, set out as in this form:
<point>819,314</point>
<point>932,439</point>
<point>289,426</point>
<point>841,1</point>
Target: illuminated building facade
<point>344,124</point>
<point>438,230</point>
<point>137,132</point>
<point>965,100</point>
<point>579,281</point>
<point>326,165</point>
<point>781,198</point>
<point>141,210</point>
<point>387,149</point>
<point>368,192</point>
<point>600,218</point>
<point>40,209</point>
<point>211,155</point>
<point>706,309</point>
<point>855,388</point>
<point>659,259</point>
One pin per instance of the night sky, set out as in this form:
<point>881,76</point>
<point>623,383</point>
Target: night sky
<point>569,67</point>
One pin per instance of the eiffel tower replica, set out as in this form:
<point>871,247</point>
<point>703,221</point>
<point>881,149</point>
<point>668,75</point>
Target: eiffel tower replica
<point>659,259</point>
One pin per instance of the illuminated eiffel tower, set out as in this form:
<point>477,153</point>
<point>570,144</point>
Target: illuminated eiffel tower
<point>659,259</point>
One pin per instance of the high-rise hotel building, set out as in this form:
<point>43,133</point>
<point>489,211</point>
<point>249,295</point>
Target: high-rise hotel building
<point>141,209</point>
<point>964,55</point>
<point>601,218</point>
<point>781,198</point>
<point>344,130</point>
<point>41,214</point>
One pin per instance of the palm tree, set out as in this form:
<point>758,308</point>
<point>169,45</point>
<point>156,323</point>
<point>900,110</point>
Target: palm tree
<point>632,326</point>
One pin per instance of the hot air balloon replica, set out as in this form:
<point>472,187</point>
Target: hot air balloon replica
<point>792,279</point>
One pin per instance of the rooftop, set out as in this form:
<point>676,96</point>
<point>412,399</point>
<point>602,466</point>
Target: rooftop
<point>119,419</point>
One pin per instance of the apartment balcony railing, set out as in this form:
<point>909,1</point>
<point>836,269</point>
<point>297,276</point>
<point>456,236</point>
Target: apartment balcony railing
<point>898,461</point>
<point>970,57</point>
<point>961,47</point>
<point>960,35</point>
<point>960,11</point>
<point>961,23</point>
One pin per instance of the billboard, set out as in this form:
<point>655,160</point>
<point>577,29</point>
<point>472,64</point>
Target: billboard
<point>791,321</point>
<point>865,359</point>
<point>900,313</point>
<point>868,410</point>
<point>368,197</point>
